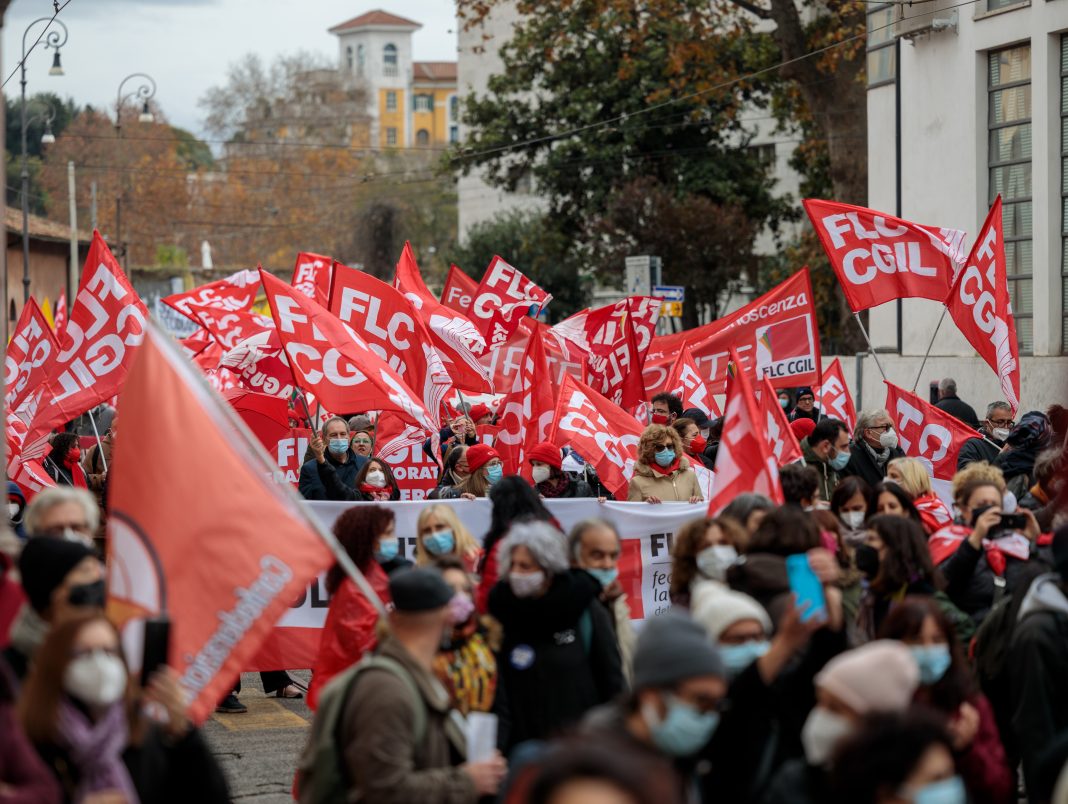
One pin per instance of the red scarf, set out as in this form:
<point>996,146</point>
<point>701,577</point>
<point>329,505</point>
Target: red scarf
<point>372,490</point>
<point>664,470</point>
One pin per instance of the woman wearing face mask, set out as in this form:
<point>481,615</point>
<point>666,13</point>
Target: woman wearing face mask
<point>63,462</point>
<point>375,483</point>
<point>911,475</point>
<point>441,535</point>
<point>453,472</point>
<point>850,502</point>
<point>558,656</point>
<point>486,469</point>
<point>662,473</point>
<point>948,687</point>
<point>368,535</point>
<point>888,498</point>
<point>702,552</point>
<point>549,478</point>
<point>693,443</point>
<point>878,677</point>
<point>84,715</point>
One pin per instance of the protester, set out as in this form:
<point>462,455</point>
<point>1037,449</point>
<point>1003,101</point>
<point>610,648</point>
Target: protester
<point>480,414</point>
<point>1026,440</point>
<point>363,444</point>
<point>550,480</point>
<point>16,509</point>
<point>806,402</point>
<point>783,395</point>
<point>453,472</point>
<point>63,513</point>
<point>595,546</point>
<point>368,534</point>
<point>911,475</point>
<point>558,655</point>
<point>802,428</point>
<point>486,469</point>
<point>826,449</point>
<point>873,446</point>
<point>850,502</point>
<point>881,676</point>
<point>800,485</point>
<point>1049,482</point>
<point>950,403</point>
<point>331,447</point>
<point>993,431</point>
<point>83,712</point>
<point>374,482</point>
<point>665,409</point>
<point>97,461</point>
<point>662,473</point>
<point>748,510</point>
<point>440,534</point>
<point>889,498</point>
<point>693,443</point>
<point>386,756</point>
<point>63,462</point>
<point>947,686</point>
<point>460,431</point>
<point>703,551</point>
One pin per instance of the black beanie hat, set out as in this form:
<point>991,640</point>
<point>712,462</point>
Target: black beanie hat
<point>43,564</point>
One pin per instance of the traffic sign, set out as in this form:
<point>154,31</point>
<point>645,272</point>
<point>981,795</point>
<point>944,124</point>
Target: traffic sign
<point>670,293</point>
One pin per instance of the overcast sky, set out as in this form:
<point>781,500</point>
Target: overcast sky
<point>186,45</point>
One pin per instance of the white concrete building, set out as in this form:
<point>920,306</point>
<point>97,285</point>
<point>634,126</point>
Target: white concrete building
<point>984,110</point>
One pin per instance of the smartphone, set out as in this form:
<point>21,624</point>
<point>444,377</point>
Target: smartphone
<point>1012,522</point>
<point>157,645</point>
<point>806,587</point>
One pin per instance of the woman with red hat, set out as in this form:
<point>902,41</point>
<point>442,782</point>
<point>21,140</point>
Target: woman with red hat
<point>485,467</point>
<point>550,481</point>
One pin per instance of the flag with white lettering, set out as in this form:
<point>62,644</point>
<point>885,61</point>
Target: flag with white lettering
<point>312,275</point>
<point>926,432</point>
<point>260,364</point>
<point>29,353</point>
<point>230,327</point>
<point>459,291</point>
<point>526,413</point>
<point>235,292</point>
<point>502,300</point>
<point>834,396</point>
<point>982,309</point>
<point>687,385</point>
<point>780,436</point>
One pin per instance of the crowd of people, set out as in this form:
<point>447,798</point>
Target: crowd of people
<point>925,662</point>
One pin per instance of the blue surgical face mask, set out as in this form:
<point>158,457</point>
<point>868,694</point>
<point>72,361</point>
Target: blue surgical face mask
<point>387,550</point>
<point>933,660</point>
<point>684,730</point>
<point>785,403</point>
<point>605,576</point>
<point>947,791</point>
<point>839,461</point>
<point>439,543</point>
<point>494,473</point>
<point>738,657</point>
<point>339,446</point>
<point>665,457</point>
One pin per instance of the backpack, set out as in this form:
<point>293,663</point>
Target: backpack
<point>321,777</point>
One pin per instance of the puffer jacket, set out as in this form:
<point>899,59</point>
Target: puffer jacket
<point>678,486</point>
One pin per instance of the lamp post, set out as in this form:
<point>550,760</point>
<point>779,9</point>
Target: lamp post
<point>54,40</point>
<point>146,91</point>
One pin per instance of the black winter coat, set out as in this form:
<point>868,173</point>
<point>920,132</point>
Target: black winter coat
<point>862,464</point>
<point>975,450</point>
<point>336,490</point>
<point>550,677</point>
<point>312,488</point>
<point>970,582</point>
<point>959,409</point>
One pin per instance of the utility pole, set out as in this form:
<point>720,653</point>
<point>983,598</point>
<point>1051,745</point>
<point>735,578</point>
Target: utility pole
<point>72,269</point>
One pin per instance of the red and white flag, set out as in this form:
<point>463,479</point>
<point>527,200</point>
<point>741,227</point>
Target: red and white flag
<point>165,554</point>
<point>879,258</point>
<point>744,462</point>
<point>459,291</point>
<point>235,292</point>
<point>781,438</point>
<point>927,433</point>
<point>29,353</point>
<point>329,359</point>
<point>834,398</point>
<point>503,299</point>
<point>686,383</point>
<point>312,275</point>
<point>229,328</point>
<point>526,414</point>
<point>605,435</point>
<point>60,314</point>
<point>260,364</point>
<point>981,307</point>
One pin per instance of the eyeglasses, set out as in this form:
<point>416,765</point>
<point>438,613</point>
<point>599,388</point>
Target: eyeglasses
<point>882,428</point>
<point>365,441</point>
<point>1006,423</point>
<point>664,446</point>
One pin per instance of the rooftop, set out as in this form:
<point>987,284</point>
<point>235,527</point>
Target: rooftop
<point>434,71</point>
<point>373,19</point>
<point>41,228</point>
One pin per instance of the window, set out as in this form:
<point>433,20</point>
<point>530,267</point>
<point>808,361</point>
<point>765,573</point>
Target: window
<point>765,155</point>
<point>391,101</point>
<point>423,103</point>
<point>1010,175</point>
<point>422,137</point>
<point>1064,194</point>
<point>389,60</point>
<point>994,5</point>
<point>361,58</point>
<point>454,133</point>
<point>882,67</point>
<point>348,58</point>
<point>391,136</point>
<point>454,108</point>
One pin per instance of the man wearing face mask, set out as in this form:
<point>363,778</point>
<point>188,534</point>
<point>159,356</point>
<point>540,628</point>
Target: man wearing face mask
<point>16,507</point>
<point>993,431</point>
<point>874,445</point>
<point>826,449</point>
<point>335,448</point>
<point>665,408</point>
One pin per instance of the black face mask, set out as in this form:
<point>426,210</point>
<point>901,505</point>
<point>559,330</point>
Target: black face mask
<point>88,595</point>
<point>867,560</point>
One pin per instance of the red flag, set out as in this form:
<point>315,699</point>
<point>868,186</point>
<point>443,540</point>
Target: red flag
<point>781,439</point>
<point>980,305</point>
<point>775,336</point>
<point>457,340</point>
<point>235,292</point>
<point>564,358</point>
<point>29,354</point>
<point>616,338</point>
<point>224,550</point>
<point>394,330</point>
<point>834,396</point>
<point>527,411</point>
<point>196,343</point>
<point>312,275</point>
<point>260,364</point>
<point>686,383</point>
<point>604,434</point>
<point>229,328</point>
<point>60,313</point>
<point>925,432</point>
<point>335,363</point>
<point>744,462</point>
<point>879,258</point>
<point>502,300</point>
<point>459,291</point>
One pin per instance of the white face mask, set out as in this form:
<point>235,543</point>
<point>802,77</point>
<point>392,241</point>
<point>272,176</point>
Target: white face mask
<point>853,519</point>
<point>821,734</point>
<point>376,479</point>
<point>540,473</point>
<point>888,440</point>
<point>713,561</point>
<point>1000,433</point>
<point>12,510</point>
<point>97,678</point>
<point>526,585</point>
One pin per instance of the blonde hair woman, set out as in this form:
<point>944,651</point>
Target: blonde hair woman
<point>440,533</point>
<point>911,475</point>
<point>663,473</point>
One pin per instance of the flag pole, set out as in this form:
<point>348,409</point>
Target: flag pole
<point>307,412</point>
<point>929,347</point>
<point>99,445</point>
<point>870,347</point>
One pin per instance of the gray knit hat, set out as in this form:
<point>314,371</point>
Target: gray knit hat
<point>672,648</point>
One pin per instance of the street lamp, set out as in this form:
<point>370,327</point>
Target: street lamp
<point>146,91</point>
<point>54,40</point>
<point>48,138</point>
